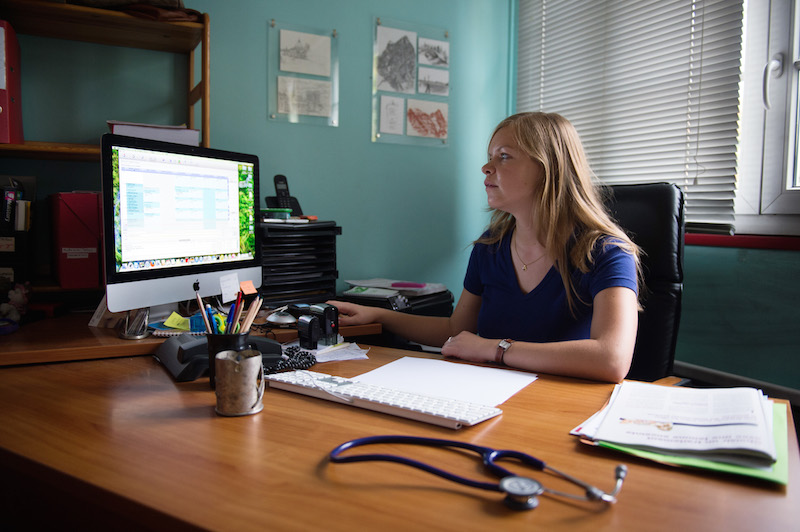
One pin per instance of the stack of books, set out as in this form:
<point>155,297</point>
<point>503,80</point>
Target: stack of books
<point>734,430</point>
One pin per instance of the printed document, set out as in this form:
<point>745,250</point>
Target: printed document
<point>726,424</point>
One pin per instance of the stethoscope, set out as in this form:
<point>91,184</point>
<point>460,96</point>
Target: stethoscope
<point>522,493</point>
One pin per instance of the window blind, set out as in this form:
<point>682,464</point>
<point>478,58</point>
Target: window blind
<point>652,86</point>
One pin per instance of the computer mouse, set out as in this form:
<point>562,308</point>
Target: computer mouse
<point>281,319</point>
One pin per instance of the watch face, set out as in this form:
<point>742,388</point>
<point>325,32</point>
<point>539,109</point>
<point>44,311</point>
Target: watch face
<point>505,344</point>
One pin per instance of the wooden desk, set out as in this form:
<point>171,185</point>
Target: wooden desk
<point>69,337</point>
<point>117,442</point>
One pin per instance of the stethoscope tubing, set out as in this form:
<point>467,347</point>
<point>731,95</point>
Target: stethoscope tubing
<point>488,455</point>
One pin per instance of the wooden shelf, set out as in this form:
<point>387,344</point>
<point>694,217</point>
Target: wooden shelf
<point>51,150</point>
<point>104,26</point>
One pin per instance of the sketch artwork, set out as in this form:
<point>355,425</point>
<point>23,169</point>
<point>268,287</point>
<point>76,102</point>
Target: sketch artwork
<point>392,109</point>
<point>426,119</point>
<point>300,96</point>
<point>434,53</point>
<point>434,81</point>
<point>396,60</point>
<point>305,53</point>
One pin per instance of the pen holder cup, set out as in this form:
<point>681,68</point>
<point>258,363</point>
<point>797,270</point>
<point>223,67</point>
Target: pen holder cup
<point>218,343</point>
<point>240,382</point>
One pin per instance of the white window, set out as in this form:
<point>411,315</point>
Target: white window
<point>656,90</point>
<point>768,195</point>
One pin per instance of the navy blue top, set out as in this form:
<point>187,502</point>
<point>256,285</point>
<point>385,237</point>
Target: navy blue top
<point>542,315</point>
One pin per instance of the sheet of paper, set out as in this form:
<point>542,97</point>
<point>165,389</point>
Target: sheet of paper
<point>341,351</point>
<point>476,384</point>
<point>230,286</point>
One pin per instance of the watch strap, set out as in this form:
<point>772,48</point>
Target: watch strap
<point>502,347</point>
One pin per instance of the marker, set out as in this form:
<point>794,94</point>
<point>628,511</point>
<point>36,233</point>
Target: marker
<point>404,284</point>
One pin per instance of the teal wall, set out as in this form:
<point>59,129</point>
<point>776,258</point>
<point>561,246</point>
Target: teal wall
<point>407,212</point>
<point>740,313</point>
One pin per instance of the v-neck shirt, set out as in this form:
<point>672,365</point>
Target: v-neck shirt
<point>541,315</point>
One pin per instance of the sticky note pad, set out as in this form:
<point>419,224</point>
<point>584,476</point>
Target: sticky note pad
<point>247,287</point>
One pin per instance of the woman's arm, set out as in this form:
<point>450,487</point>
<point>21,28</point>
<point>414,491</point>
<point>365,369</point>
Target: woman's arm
<point>605,356</point>
<point>426,330</point>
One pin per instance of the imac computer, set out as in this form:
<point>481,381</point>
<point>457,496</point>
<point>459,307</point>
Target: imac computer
<point>175,218</point>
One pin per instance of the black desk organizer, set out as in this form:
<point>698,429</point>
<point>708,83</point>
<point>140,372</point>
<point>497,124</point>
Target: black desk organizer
<point>299,262</point>
<point>15,256</point>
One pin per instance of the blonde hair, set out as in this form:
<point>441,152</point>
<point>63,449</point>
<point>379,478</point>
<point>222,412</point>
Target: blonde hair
<point>568,207</point>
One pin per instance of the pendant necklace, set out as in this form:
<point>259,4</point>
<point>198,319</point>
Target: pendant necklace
<point>525,266</point>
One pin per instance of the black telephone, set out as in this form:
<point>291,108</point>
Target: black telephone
<point>186,356</point>
<point>282,198</point>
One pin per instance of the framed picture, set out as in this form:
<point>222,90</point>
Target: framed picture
<point>410,84</point>
<point>303,75</point>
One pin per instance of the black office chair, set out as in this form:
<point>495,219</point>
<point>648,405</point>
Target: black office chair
<point>653,216</point>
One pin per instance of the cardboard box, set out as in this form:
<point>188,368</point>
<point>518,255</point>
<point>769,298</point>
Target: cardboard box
<point>77,232</point>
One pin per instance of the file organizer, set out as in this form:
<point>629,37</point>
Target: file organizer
<point>299,262</point>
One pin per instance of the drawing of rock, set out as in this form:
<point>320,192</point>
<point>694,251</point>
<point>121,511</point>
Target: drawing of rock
<point>397,64</point>
<point>428,125</point>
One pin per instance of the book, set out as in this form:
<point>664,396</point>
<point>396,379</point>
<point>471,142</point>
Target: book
<point>736,430</point>
<point>406,288</point>
<point>174,134</point>
<point>22,215</point>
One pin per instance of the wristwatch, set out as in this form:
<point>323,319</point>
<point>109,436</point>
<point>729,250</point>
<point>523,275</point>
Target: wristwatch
<point>502,347</point>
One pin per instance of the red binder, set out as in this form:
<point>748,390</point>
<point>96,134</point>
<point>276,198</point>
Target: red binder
<point>77,237</point>
<point>10,87</point>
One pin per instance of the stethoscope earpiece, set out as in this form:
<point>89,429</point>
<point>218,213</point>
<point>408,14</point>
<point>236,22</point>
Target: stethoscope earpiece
<point>522,493</point>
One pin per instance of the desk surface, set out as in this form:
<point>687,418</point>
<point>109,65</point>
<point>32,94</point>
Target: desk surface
<point>119,433</point>
<point>70,338</point>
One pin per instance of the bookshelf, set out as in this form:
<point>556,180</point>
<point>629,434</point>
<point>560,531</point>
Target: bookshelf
<point>103,26</point>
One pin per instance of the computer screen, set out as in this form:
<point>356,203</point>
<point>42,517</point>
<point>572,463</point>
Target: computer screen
<point>173,216</point>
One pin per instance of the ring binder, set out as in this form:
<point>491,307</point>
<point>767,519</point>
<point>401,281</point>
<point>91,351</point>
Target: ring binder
<point>10,87</point>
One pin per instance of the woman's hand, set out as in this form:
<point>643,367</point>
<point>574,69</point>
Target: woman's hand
<point>352,314</point>
<point>468,346</point>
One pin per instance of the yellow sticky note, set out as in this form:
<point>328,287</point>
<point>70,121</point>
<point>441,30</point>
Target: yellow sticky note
<point>176,321</point>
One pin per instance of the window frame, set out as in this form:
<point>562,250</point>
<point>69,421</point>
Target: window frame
<point>765,202</point>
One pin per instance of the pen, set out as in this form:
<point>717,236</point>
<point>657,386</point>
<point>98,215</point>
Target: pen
<point>210,318</point>
<point>229,319</point>
<point>333,348</point>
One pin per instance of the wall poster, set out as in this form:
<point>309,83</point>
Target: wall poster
<point>303,75</point>
<point>410,84</point>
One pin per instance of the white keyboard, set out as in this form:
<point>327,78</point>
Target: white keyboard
<point>449,413</point>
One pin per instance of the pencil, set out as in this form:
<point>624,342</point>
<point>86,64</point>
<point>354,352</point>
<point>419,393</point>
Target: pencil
<point>251,314</point>
<point>203,312</point>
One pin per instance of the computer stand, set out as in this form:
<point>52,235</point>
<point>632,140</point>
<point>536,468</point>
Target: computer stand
<point>135,324</point>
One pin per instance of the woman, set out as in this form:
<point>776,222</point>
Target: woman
<point>552,285</point>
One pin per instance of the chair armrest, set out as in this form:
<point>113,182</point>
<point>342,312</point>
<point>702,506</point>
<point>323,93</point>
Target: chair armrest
<point>671,381</point>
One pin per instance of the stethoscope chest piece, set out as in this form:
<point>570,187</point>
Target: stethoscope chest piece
<point>522,493</point>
